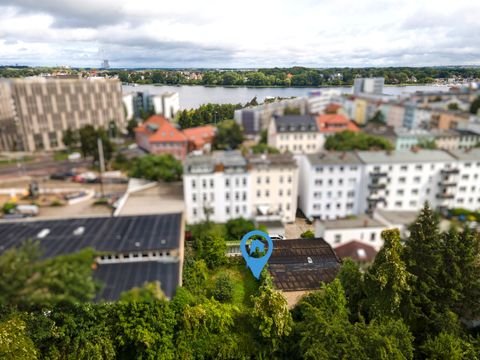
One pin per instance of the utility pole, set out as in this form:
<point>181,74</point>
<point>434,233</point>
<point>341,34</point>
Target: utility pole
<point>102,164</point>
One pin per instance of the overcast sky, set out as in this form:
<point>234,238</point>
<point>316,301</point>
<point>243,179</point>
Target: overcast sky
<point>246,33</point>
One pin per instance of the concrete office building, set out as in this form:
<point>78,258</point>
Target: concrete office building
<point>44,108</point>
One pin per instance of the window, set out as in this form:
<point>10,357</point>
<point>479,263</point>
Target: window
<point>227,210</point>
<point>330,182</point>
<point>288,206</point>
<point>259,194</point>
<point>340,181</point>
<point>353,168</point>
<point>376,168</point>
<point>465,177</point>
<point>317,195</point>
<point>194,183</point>
<point>281,179</point>
<point>267,193</point>
<point>194,212</point>
<point>400,192</point>
<point>244,181</point>
<point>259,180</point>
<point>404,168</point>
<point>351,194</point>
<point>204,183</point>
<point>237,210</point>
<point>267,180</point>
<point>289,179</point>
<point>227,196</point>
<point>372,236</point>
<point>339,206</point>
<point>328,206</point>
<point>341,168</point>
<point>463,189</point>
<point>338,238</point>
<point>237,182</point>
<point>289,192</point>
<point>227,182</point>
<point>318,182</point>
<point>413,203</point>
<point>319,169</point>
<point>237,196</point>
<point>211,183</point>
<point>194,197</point>
<point>416,179</point>
<point>418,167</point>
<point>402,180</point>
<point>280,192</point>
<point>204,197</point>
<point>398,204</point>
<point>349,205</point>
<point>244,196</point>
<point>339,194</point>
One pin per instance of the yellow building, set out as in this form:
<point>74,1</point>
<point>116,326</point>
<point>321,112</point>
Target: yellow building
<point>360,111</point>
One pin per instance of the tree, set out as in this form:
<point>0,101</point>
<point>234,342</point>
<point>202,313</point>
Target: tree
<point>377,118</point>
<point>427,144</point>
<point>453,106</point>
<point>264,149</point>
<point>89,142</point>
<point>236,228</point>
<point>70,138</point>
<point>308,234</point>
<point>475,106</point>
<point>352,281</point>
<point>223,290</point>
<point>149,292</point>
<point>448,347</point>
<point>14,341</point>
<point>131,125</point>
<point>195,275</point>
<point>229,135</point>
<point>387,280</point>
<point>157,167</point>
<point>271,317</point>
<point>349,140</point>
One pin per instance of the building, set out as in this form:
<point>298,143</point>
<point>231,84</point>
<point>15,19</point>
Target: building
<point>200,138</point>
<point>329,185</point>
<point>131,250</point>
<point>299,266</point>
<point>396,115</point>
<point>361,253</point>
<point>368,86</point>
<point>128,103</point>
<point>44,108</point>
<point>330,124</point>
<point>167,104</point>
<point>317,101</point>
<point>447,120</point>
<point>294,133</point>
<point>273,187</point>
<point>8,131</point>
<point>336,185</point>
<point>158,136</point>
<point>225,185</point>
<point>359,111</point>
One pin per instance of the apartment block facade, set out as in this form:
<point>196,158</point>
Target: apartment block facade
<point>44,108</point>
<point>227,185</point>
<point>336,185</point>
<point>297,134</point>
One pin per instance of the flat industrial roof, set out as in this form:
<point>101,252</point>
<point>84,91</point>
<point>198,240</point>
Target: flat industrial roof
<point>333,158</point>
<point>109,234</point>
<point>360,221</point>
<point>119,277</point>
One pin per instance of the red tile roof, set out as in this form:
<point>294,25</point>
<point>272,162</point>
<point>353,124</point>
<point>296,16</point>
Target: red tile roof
<point>332,108</point>
<point>160,130</point>
<point>332,123</point>
<point>200,135</point>
<point>357,251</point>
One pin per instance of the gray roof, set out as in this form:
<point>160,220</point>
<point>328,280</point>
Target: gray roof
<point>198,164</point>
<point>403,156</point>
<point>466,155</point>
<point>333,158</point>
<point>398,217</point>
<point>296,123</point>
<point>360,221</point>
<point>269,160</point>
<point>233,158</point>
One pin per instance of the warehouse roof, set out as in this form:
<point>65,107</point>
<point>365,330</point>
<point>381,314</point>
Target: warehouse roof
<point>112,234</point>
<point>120,277</point>
<point>302,264</point>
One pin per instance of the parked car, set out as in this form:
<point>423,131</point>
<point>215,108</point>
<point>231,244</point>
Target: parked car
<point>276,237</point>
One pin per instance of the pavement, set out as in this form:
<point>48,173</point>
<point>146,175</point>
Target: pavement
<point>293,230</point>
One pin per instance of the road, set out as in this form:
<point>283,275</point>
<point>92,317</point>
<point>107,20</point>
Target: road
<point>39,168</point>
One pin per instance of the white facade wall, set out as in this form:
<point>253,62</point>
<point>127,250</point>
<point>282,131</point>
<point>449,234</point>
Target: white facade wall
<point>171,105</point>
<point>295,142</point>
<point>128,103</point>
<point>224,195</point>
<point>337,237</point>
<point>329,191</point>
<point>467,189</point>
<point>275,189</point>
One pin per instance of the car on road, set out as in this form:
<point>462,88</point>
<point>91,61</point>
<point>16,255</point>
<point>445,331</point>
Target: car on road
<point>276,237</point>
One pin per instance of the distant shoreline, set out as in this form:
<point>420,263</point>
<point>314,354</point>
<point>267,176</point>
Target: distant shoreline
<point>278,86</point>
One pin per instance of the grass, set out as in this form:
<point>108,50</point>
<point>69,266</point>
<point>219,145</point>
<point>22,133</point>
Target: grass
<point>60,156</point>
<point>245,284</point>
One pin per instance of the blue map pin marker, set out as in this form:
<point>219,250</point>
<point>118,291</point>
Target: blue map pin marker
<point>256,265</point>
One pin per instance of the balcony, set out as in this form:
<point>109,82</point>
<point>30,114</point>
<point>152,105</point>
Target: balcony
<point>445,196</point>
<point>450,171</point>
<point>377,174</point>
<point>375,200</point>
<point>447,183</point>
<point>378,186</point>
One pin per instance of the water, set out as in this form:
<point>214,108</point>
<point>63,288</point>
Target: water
<point>194,96</point>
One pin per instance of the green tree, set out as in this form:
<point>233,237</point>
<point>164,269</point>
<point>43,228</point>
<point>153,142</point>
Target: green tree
<point>223,290</point>
<point>377,118</point>
<point>238,227</point>
<point>308,234</point>
<point>387,280</point>
<point>131,125</point>
<point>157,167</point>
<point>149,292</point>
<point>229,135</point>
<point>70,138</point>
<point>352,281</point>
<point>349,140</point>
<point>14,341</point>
<point>195,275</point>
<point>264,149</point>
<point>475,106</point>
<point>271,317</point>
<point>448,347</point>
<point>427,144</point>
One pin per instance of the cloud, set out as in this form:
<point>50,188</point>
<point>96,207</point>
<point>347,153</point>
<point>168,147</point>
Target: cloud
<point>252,33</point>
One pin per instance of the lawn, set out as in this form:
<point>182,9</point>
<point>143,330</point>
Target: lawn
<point>245,284</point>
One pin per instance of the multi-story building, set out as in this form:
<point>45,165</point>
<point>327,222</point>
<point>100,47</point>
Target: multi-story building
<point>45,108</point>
<point>368,86</point>
<point>317,101</point>
<point>297,134</point>
<point>273,187</point>
<point>216,187</point>
<point>329,184</point>
<point>226,185</point>
<point>8,133</point>
<point>167,104</point>
<point>396,115</point>
<point>394,181</point>
<point>447,120</point>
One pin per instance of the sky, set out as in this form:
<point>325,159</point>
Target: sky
<point>247,33</point>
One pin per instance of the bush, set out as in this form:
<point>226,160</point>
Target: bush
<point>8,207</point>
<point>223,290</point>
<point>309,234</point>
<point>157,167</point>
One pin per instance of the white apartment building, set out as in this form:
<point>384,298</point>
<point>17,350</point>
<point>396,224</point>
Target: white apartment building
<point>297,134</point>
<point>225,186</point>
<point>329,185</point>
<point>368,85</point>
<point>167,104</point>
<point>335,185</point>
<point>273,187</point>
<point>317,101</point>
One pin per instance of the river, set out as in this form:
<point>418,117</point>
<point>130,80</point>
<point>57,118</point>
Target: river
<point>194,96</point>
